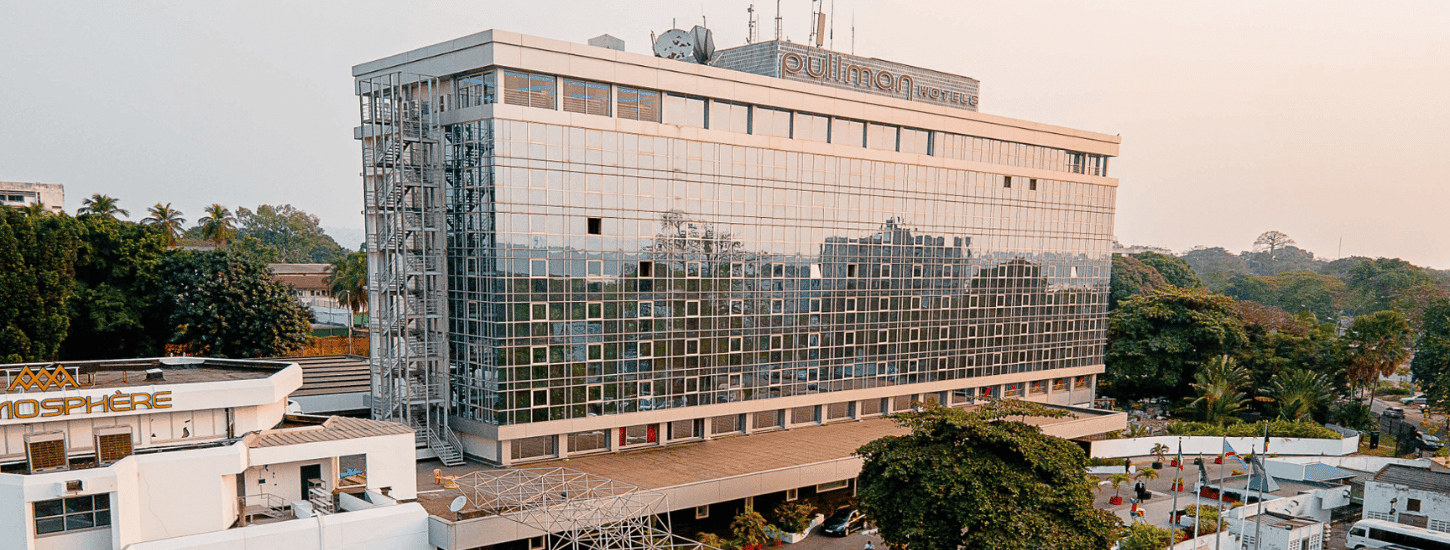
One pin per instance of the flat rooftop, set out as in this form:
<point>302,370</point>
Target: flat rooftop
<point>124,373</point>
<point>300,429</point>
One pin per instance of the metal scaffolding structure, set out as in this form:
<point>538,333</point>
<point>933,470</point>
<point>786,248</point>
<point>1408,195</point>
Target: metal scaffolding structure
<point>404,210</point>
<point>579,511</point>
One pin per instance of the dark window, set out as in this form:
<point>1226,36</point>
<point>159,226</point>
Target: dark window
<point>645,269</point>
<point>596,226</point>
<point>1032,184</point>
<point>1007,182</point>
<point>1413,505</point>
<point>72,514</point>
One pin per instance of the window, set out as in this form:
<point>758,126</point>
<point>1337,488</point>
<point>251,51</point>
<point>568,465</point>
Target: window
<point>645,269</point>
<point>1412,505</point>
<point>792,494</point>
<point>477,89</point>
<point>637,104</point>
<point>771,122</point>
<point>811,127</point>
<point>915,141</point>
<point>731,117</point>
<point>1006,182</point>
<point>72,514</point>
<point>528,89</point>
<point>880,136</point>
<point>536,543</point>
<point>684,110</point>
<point>1032,184</point>
<point>583,96</point>
<point>848,132</point>
<point>596,226</point>
<point>702,512</point>
<point>833,486</point>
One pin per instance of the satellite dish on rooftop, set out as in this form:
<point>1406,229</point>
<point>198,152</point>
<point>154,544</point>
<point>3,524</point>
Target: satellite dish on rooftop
<point>675,44</point>
<point>457,504</point>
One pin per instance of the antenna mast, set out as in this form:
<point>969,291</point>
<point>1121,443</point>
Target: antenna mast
<point>833,24</point>
<point>853,32</point>
<point>753,34</point>
<point>777,20</point>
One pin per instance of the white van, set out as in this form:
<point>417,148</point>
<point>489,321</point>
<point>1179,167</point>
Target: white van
<point>1373,533</point>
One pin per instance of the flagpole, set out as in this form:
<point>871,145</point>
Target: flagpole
<point>1259,521</point>
<point>1173,486</point>
<point>1218,540</point>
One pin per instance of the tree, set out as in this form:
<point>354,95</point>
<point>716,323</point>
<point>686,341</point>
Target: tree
<point>37,280</point>
<point>1279,342</point>
<point>217,225</point>
<point>1431,365</point>
<point>1288,258</point>
<point>1215,266</point>
<point>1377,344</point>
<point>102,205</point>
<point>1130,278</point>
<point>749,528</point>
<point>115,312</point>
<point>228,306</point>
<point>1117,480</point>
<point>1271,241</point>
<point>1174,270</point>
<point>1219,385</point>
<point>1299,393</point>
<point>168,219</point>
<point>292,235</point>
<point>974,480</point>
<point>1157,342</point>
<point>348,283</point>
<point>1393,284</point>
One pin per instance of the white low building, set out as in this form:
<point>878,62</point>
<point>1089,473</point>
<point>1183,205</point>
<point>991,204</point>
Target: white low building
<point>178,453</point>
<point>1409,495</point>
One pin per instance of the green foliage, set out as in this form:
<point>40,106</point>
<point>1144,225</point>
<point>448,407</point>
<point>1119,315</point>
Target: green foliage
<point>231,307</point>
<point>1279,342</point>
<point>115,312</point>
<point>102,205</point>
<point>284,234</point>
<point>1215,266</point>
<point>1206,516</point>
<point>1391,389</point>
<point>37,280</point>
<point>960,479</point>
<point>1283,260</point>
<point>1117,480</point>
<point>1219,385</point>
<point>1159,451</point>
<point>1431,365</point>
<point>794,517</point>
<point>1377,344</point>
<point>1277,428</point>
<point>1130,278</point>
<point>749,528</point>
<point>168,219</point>
<point>1355,416</point>
<point>349,280</point>
<point>1295,292</point>
<point>1156,343</point>
<point>713,540</point>
<point>1174,270</point>
<point>1143,536</point>
<point>218,225</point>
<point>1299,393</point>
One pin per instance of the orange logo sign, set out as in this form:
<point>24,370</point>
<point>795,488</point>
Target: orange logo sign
<point>42,379</point>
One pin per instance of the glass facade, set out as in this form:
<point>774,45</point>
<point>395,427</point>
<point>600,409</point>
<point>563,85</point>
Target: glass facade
<point>595,272</point>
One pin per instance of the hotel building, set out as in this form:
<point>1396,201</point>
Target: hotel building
<point>579,250</point>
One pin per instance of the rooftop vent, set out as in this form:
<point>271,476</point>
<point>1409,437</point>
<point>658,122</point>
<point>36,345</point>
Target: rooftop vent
<point>155,375</point>
<point>113,443</point>
<point>607,42</point>
<point>45,452</point>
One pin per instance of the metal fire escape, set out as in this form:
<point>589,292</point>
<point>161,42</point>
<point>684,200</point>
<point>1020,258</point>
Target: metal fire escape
<point>404,207</point>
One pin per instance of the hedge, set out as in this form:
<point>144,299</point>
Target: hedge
<point>1277,428</point>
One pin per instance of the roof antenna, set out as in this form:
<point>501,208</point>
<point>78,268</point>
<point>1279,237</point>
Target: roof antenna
<point>833,25</point>
<point>753,34</point>
<point>853,32</point>
<point>777,20</point>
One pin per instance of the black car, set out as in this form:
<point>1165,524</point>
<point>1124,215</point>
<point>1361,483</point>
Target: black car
<point>1429,442</point>
<point>1394,412</point>
<point>843,522</point>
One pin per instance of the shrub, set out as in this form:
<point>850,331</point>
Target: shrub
<point>1277,428</point>
<point>1104,462</point>
<point>1142,536</point>
<point>794,517</point>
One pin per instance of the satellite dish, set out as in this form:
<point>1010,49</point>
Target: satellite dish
<point>675,44</point>
<point>457,504</point>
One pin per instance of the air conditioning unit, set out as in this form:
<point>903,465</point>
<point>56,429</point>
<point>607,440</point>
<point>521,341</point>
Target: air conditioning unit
<point>45,452</point>
<point>113,443</point>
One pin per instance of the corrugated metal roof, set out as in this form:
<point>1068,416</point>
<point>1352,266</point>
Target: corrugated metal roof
<point>337,428</point>
<point>1415,478</point>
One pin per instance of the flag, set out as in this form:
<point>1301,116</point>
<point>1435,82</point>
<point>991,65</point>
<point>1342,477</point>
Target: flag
<point>1180,455</point>
<point>1228,452</point>
<point>1266,438</point>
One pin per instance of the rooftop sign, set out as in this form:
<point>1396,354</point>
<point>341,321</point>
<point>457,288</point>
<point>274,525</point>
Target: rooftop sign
<point>40,379</point>
<point>803,63</point>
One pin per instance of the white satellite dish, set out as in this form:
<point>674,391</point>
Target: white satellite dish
<point>457,504</point>
<point>676,44</point>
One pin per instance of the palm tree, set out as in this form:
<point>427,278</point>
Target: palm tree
<point>102,205</point>
<point>1117,480</point>
<point>1378,343</point>
<point>168,218</point>
<point>1218,384</point>
<point>216,225</point>
<point>348,283</point>
<point>1146,474</point>
<point>1298,393</point>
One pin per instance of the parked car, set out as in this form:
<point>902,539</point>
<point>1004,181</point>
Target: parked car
<point>843,522</point>
<point>1416,400</point>
<point>1394,412</point>
<point>1429,442</point>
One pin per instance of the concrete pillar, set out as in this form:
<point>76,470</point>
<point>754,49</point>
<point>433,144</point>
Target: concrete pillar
<point>561,445</point>
<point>505,453</point>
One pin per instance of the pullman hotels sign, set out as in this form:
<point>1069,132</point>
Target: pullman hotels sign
<point>876,77</point>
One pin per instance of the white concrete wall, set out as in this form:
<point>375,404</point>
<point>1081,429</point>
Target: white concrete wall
<point>285,479</point>
<point>93,539</point>
<point>402,527</point>
<point>1361,463</point>
<point>390,460</point>
<point>1213,446</point>
<point>1378,494</point>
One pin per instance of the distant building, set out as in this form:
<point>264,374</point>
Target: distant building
<point>1130,250</point>
<point>20,194</point>
<point>1280,532</point>
<point>174,453</point>
<point>1409,495</point>
<point>309,280</point>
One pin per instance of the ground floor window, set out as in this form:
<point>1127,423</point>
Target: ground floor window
<point>72,514</point>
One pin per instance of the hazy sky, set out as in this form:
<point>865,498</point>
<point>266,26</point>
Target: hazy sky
<point>1321,119</point>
